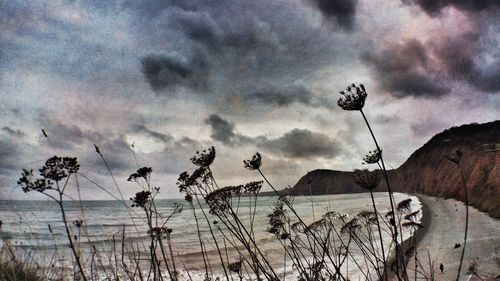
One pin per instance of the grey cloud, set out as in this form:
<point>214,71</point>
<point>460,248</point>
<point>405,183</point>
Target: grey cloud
<point>487,80</point>
<point>434,7</point>
<point>302,143</point>
<point>241,50</point>
<point>223,131</point>
<point>9,156</point>
<point>200,27</point>
<point>386,119</point>
<point>298,143</point>
<point>342,12</point>
<point>282,97</point>
<point>66,136</point>
<point>406,70</point>
<point>188,142</point>
<point>117,153</point>
<point>212,29</point>
<point>426,128</point>
<point>159,136</point>
<point>458,56</point>
<point>13,132</point>
<point>165,74</point>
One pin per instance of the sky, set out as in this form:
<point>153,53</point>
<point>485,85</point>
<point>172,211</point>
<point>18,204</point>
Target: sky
<point>152,82</point>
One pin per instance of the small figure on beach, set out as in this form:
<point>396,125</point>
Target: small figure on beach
<point>457,245</point>
<point>441,267</point>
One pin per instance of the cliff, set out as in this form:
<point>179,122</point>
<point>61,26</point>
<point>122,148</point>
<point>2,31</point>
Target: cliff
<point>428,172</point>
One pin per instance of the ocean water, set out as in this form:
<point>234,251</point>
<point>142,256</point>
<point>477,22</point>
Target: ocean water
<point>35,227</point>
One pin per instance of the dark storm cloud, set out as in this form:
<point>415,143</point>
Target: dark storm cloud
<point>156,135</point>
<point>459,54</point>
<point>165,74</point>
<point>244,44</point>
<point>13,132</point>
<point>298,143</point>
<point>434,7</point>
<point>341,12</point>
<point>302,143</point>
<point>223,131</point>
<point>407,70</point>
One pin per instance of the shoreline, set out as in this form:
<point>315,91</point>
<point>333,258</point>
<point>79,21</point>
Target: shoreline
<point>441,239</point>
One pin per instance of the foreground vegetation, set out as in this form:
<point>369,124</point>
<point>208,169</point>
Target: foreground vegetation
<point>319,250</point>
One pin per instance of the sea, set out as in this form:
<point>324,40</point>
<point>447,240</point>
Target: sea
<point>35,228</point>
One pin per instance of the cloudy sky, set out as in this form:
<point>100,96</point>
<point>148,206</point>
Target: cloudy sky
<point>173,77</point>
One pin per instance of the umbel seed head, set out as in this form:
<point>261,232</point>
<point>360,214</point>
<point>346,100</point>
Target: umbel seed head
<point>352,98</point>
<point>372,157</point>
<point>204,158</point>
<point>254,163</point>
<point>366,179</point>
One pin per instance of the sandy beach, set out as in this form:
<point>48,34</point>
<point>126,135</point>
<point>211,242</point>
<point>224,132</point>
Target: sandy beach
<point>444,223</point>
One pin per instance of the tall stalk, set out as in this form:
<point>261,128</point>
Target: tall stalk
<point>66,227</point>
<point>464,183</point>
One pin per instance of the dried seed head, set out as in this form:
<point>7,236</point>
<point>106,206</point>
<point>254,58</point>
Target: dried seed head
<point>316,226</point>
<point>235,266</point>
<point>159,232</point>
<point>219,200</point>
<point>205,158</point>
<point>353,98</point>
<point>185,181</point>
<point>367,217</point>
<point>253,188</point>
<point>57,168</point>
<point>141,199</point>
<point>372,157</point>
<point>255,163</point>
<point>351,227</point>
<point>27,182</point>
<point>78,223</point>
<point>366,179</point>
<point>143,172</point>
<point>277,220</point>
<point>189,198</point>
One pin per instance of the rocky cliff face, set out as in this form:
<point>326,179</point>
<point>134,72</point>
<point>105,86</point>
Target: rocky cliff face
<point>427,171</point>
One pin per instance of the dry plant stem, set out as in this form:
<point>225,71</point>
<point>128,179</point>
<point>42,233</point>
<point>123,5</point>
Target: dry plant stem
<point>119,192</point>
<point>242,227</point>
<point>236,231</point>
<point>386,177</point>
<point>213,237</point>
<point>199,238</point>
<point>66,227</point>
<point>378,227</point>
<point>464,182</point>
<point>337,269</point>
<point>164,255</point>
